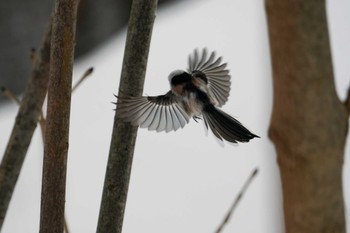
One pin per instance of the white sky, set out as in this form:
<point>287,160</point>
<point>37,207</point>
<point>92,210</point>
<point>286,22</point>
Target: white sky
<point>181,181</point>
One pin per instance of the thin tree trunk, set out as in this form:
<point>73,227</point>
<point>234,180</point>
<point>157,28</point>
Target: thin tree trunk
<point>309,122</point>
<point>124,135</point>
<point>58,112</point>
<point>25,124</point>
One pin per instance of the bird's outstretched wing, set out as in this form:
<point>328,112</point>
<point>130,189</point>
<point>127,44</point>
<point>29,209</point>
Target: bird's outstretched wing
<point>218,77</point>
<point>158,113</point>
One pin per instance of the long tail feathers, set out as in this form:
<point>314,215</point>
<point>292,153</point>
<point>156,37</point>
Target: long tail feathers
<point>224,126</point>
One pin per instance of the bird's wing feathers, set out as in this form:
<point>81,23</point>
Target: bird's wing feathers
<point>153,112</point>
<point>218,77</point>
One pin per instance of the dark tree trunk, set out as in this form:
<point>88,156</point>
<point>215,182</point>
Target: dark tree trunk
<point>309,123</point>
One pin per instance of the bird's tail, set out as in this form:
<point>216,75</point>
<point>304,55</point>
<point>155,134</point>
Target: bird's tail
<point>224,126</point>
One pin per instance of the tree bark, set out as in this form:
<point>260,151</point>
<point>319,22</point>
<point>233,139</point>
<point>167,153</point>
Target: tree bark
<point>25,124</point>
<point>58,112</point>
<point>309,123</point>
<point>122,146</point>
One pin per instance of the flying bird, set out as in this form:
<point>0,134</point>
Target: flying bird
<point>197,93</point>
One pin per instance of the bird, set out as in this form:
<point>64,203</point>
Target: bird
<point>198,93</point>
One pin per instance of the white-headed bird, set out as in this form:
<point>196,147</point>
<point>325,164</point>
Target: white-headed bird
<point>198,92</point>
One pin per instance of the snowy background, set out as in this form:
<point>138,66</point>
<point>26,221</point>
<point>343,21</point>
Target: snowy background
<point>181,181</point>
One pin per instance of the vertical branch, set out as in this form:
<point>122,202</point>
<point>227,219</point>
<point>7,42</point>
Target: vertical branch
<point>25,124</point>
<point>309,123</point>
<point>58,112</point>
<point>124,135</point>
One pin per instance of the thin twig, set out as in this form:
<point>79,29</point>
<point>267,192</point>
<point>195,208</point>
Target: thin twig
<point>9,94</point>
<point>42,120</point>
<point>87,73</point>
<point>237,200</point>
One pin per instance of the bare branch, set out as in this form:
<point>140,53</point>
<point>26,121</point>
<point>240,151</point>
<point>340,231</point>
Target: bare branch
<point>58,113</point>
<point>9,94</point>
<point>25,124</point>
<point>87,73</point>
<point>237,200</point>
<point>124,135</point>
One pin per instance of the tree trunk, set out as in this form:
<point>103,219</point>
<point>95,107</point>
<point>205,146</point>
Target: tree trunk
<point>309,123</point>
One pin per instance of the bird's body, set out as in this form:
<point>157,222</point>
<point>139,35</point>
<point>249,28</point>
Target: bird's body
<point>187,89</point>
<point>196,93</point>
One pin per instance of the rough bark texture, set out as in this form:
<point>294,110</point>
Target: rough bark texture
<point>58,112</point>
<point>25,124</point>
<point>309,123</point>
<point>118,171</point>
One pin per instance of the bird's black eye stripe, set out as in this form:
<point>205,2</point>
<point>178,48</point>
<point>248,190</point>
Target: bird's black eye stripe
<point>180,78</point>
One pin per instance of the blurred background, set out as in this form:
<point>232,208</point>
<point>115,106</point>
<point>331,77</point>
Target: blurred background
<point>23,24</point>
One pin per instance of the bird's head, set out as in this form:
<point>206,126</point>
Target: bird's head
<point>178,77</point>
<point>175,73</point>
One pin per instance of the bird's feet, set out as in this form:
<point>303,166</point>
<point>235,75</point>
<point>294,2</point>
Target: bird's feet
<point>195,118</point>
